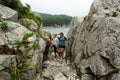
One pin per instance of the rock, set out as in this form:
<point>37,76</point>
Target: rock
<point>60,76</point>
<point>95,47</point>
<point>11,32</point>
<point>104,7</point>
<point>8,14</point>
<point>7,61</point>
<point>17,39</point>
<point>114,76</point>
<point>75,22</point>
<point>30,24</point>
<point>87,77</point>
<point>21,46</point>
<point>5,76</point>
<point>57,70</point>
<point>98,66</point>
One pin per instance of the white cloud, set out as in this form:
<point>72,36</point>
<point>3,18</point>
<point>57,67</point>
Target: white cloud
<point>69,7</point>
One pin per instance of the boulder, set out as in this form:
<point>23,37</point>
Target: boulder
<point>95,49</point>
<point>8,13</point>
<point>24,44</point>
<point>5,76</point>
<point>7,61</point>
<point>75,22</point>
<point>60,76</point>
<point>87,77</point>
<point>11,31</point>
<point>30,24</point>
<point>114,76</point>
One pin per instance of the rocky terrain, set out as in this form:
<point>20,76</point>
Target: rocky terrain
<point>95,45</point>
<point>23,49</point>
<point>92,51</point>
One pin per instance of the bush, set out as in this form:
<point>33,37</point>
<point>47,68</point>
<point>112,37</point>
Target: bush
<point>23,11</point>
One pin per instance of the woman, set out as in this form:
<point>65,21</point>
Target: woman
<point>62,39</point>
<point>55,43</point>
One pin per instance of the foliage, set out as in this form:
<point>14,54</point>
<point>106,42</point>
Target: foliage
<point>52,20</point>
<point>34,17</point>
<point>21,67</point>
<point>5,2</point>
<point>23,11</point>
<point>4,25</point>
<point>24,42</point>
<point>27,35</point>
<point>35,45</point>
<point>40,35</point>
<point>26,24</point>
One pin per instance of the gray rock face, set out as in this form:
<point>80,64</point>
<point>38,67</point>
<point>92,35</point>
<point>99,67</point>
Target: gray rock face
<point>5,76</point>
<point>74,26</point>
<point>7,62</point>
<point>114,76</point>
<point>7,13</point>
<point>95,49</point>
<point>60,76</point>
<point>30,24</point>
<point>17,39</point>
<point>58,70</point>
<point>21,47</point>
<point>11,31</point>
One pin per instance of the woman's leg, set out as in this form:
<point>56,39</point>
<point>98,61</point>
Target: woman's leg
<point>62,52</point>
<point>55,50</point>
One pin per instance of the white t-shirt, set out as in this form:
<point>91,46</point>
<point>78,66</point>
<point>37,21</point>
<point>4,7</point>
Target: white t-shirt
<point>55,41</point>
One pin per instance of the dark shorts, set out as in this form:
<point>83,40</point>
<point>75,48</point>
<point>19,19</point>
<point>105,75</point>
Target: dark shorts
<point>61,46</point>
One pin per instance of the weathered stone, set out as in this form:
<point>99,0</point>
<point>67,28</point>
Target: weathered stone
<point>28,74</point>
<point>12,32</point>
<point>7,61</point>
<point>60,76</point>
<point>87,77</point>
<point>114,76</point>
<point>7,13</point>
<point>12,39</point>
<point>99,66</point>
<point>24,45</point>
<point>76,21</point>
<point>30,24</point>
<point>5,76</point>
<point>95,48</point>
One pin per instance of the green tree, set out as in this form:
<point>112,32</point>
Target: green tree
<point>52,20</point>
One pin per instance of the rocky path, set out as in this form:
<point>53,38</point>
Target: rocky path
<point>58,69</point>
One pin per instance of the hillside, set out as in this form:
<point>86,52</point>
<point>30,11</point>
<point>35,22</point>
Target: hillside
<point>54,20</point>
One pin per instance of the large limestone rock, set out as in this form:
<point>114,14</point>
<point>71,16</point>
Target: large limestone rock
<point>11,31</point>
<point>21,46</point>
<point>60,76</point>
<point>7,62</point>
<point>8,13</point>
<point>17,39</point>
<point>95,48</point>
<point>74,27</point>
<point>30,24</point>
<point>58,70</point>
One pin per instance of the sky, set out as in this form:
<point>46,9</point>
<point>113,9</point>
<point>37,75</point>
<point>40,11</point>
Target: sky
<point>68,7</point>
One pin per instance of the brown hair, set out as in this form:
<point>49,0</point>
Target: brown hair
<point>61,33</point>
